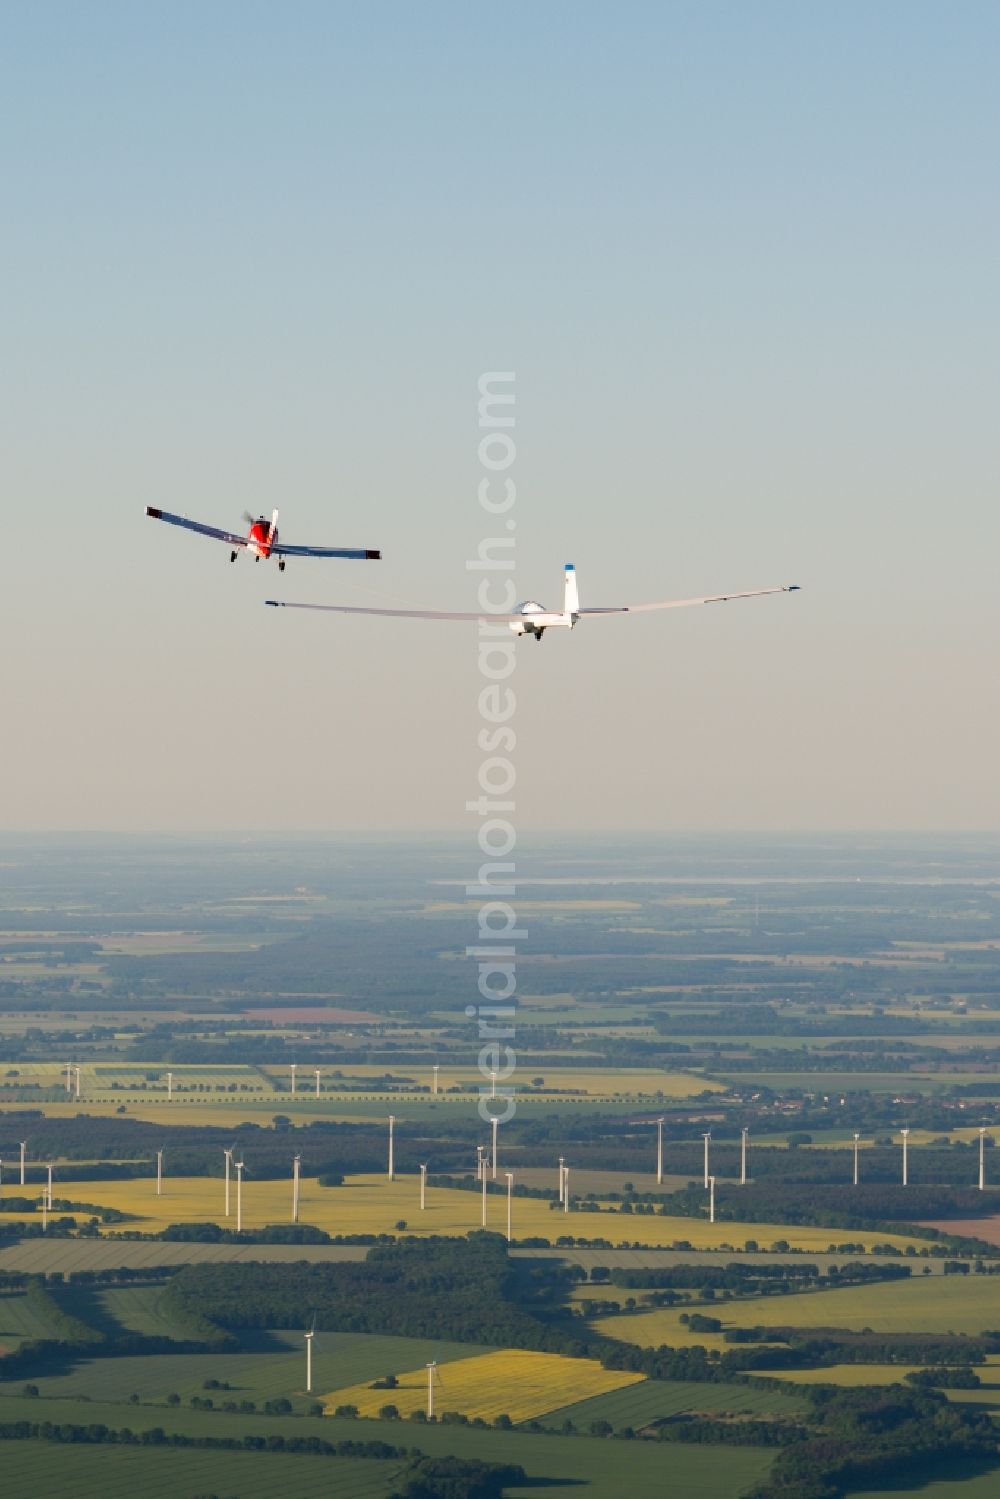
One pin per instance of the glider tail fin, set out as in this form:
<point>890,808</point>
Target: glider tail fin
<point>571,598</point>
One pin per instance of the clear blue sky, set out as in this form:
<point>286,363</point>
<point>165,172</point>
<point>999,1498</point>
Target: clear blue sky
<point>743,259</point>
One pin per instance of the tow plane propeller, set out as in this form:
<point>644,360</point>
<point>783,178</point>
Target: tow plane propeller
<point>534,619</point>
<point>261,541</point>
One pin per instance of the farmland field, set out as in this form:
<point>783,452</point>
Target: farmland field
<point>372,1204</point>
<point>21,1321</point>
<point>593,1468</point>
<point>800,991</point>
<point>272,1365</point>
<point>635,1405</point>
<point>514,1381</point>
<point>105,1254</point>
<point>959,1304</point>
<point>47,1468</point>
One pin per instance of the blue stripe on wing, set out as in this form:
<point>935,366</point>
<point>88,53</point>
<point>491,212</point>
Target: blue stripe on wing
<point>229,537</point>
<point>357,554</point>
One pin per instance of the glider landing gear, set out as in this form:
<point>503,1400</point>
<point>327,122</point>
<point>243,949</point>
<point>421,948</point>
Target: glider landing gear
<point>233,556</point>
<point>281,565</point>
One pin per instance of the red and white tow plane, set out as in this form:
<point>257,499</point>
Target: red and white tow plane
<point>262,539</point>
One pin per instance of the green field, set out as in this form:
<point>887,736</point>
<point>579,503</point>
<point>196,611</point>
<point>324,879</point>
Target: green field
<point>109,1254</point>
<point>590,1467</point>
<point>46,1468</point>
<point>117,1309</point>
<point>942,1304</point>
<point>271,1365</point>
<point>639,1404</point>
<point>20,1321</point>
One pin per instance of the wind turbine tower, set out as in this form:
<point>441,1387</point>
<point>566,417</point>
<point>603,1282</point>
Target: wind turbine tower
<point>170,1086</point>
<point>309,1356</point>
<point>711,1199</point>
<point>24,1146</point>
<point>159,1173</point>
<point>292,1067</point>
<point>296,1166</point>
<point>317,1074</point>
<point>857,1141</point>
<point>982,1158</point>
<point>510,1196</point>
<point>239,1196</point>
<point>496,1126</point>
<point>659,1152</point>
<point>905,1133</point>
<point>706,1137</point>
<point>392,1166</point>
<point>744,1132</point>
<point>423,1186</point>
<point>76,1070</point>
<point>228,1153</point>
<point>434,1086</point>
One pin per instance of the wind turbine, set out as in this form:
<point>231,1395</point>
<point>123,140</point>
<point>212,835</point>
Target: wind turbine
<point>857,1140</point>
<point>296,1165</point>
<point>423,1186</point>
<point>711,1199</point>
<point>239,1195</point>
<point>565,1189</point>
<point>309,1355</point>
<point>493,1159</point>
<point>485,1185</point>
<point>706,1137</point>
<point>159,1173</point>
<point>433,1373</point>
<point>982,1158</point>
<point>228,1153</point>
<point>436,1069</point>
<point>317,1074</point>
<point>479,1162</point>
<point>510,1193</point>
<point>24,1146</point>
<point>170,1086</point>
<point>392,1167</point>
<point>77,1072</point>
<point>744,1132</point>
<point>69,1077</point>
<point>292,1067</point>
<point>49,1189</point>
<point>905,1134</point>
<point>562,1161</point>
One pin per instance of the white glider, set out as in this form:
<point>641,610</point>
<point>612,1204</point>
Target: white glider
<point>532,618</point>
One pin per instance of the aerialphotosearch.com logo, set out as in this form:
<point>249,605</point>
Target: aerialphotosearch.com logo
<point>498,932</point>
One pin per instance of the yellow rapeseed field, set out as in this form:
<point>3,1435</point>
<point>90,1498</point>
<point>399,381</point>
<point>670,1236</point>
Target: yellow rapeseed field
<point>372,1204</point>
<point>513,1381</point>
